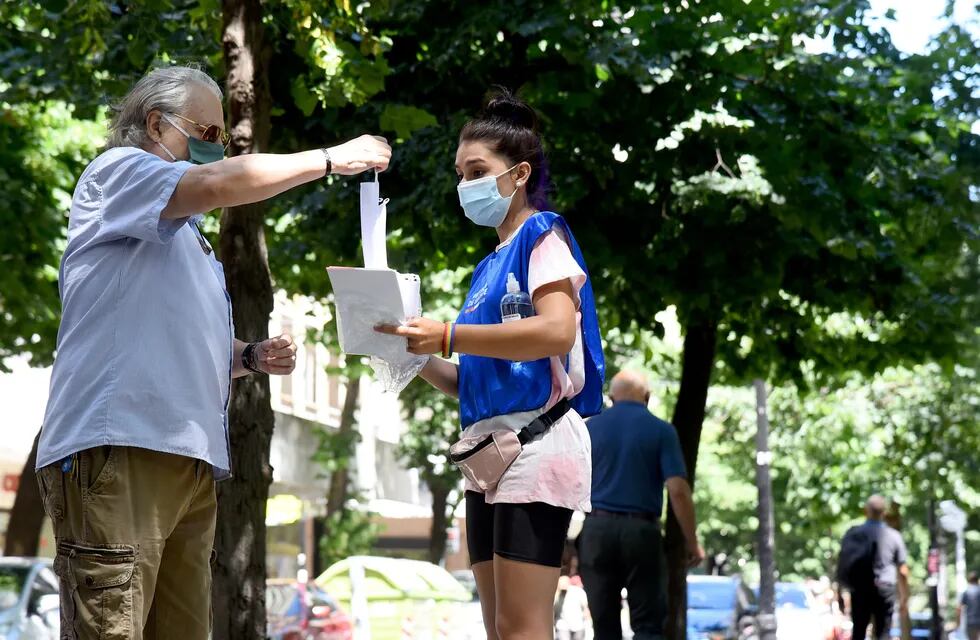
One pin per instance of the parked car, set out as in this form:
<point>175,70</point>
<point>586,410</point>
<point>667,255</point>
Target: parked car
<point>720,608</point>
<point>921,625</point>
<point>29,603</point>
<point>468,580</point>
<point>297,611</point>
<point>797,615</point>
<point>398,598</point>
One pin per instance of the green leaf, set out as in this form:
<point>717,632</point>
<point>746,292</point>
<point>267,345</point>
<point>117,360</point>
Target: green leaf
<point>405,120</point>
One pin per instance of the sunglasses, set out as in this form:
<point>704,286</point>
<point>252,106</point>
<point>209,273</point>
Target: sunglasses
<point>209,132</point>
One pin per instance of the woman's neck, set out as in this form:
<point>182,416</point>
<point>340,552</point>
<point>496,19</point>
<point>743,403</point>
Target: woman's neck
<point>514,220</point>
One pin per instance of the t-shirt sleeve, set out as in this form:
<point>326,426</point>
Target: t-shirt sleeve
<point>901,554</point>
<point>552,261</point>
<point>129,189</point>
<point>671,457</point>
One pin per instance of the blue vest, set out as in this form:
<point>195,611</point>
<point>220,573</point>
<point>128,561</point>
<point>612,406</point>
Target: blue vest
<point>491,387</point>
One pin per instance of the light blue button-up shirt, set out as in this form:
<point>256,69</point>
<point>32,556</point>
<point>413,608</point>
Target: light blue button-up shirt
<point>145,344</point>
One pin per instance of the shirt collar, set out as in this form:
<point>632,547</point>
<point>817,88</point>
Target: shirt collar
<point>510,238</point>
<point>630,402</point>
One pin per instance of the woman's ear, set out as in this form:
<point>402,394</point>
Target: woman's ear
<point>523,173</point>
<point>153,126</point>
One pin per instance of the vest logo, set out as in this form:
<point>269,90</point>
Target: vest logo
<point>476,299</point>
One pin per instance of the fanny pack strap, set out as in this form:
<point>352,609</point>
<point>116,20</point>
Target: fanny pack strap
<point>543,422</point>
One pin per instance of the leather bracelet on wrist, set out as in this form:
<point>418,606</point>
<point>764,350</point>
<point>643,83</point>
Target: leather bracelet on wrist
<point>248,358</point>
<point>326,157</point>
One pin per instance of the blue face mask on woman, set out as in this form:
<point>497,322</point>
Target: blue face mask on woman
<point>201,152</point>
<point>482,202</point>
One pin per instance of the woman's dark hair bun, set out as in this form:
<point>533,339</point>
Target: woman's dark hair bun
<point>504,106</point>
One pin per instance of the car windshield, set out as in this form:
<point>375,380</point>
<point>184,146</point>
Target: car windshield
<point>12,581</point>
<point>791,596</point>
<point>711,595</point>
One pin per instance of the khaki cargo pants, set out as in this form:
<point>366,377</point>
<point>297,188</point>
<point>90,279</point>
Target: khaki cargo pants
<point>134,530</point>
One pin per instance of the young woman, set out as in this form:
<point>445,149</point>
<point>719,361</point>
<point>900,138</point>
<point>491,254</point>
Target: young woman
<point>517,366</point>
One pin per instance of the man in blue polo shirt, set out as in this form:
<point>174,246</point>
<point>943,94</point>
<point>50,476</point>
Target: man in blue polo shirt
<point>634,454</point>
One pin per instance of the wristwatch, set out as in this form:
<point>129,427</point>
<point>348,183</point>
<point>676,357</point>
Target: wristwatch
<point>249,359</point>
<point>326,157</point>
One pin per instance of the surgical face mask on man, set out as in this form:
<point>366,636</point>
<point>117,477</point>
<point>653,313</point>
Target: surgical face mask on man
<point>482,202</point>
<point>201,152</point>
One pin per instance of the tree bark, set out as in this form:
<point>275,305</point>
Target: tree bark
<point>340,478</point>
<point>238,593</point>
<point>766,542</point>
<point>698,359</point>
<point>27,514</point>
<point>440,522</point>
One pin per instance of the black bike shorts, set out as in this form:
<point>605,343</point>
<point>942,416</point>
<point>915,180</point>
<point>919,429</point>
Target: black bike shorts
<point>534,532</point>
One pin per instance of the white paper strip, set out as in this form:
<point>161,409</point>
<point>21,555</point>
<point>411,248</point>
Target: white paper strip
<point>373,225</point>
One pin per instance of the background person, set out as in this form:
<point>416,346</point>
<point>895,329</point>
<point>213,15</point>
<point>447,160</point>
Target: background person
<point>873,567</point>
<point>634,454</point>
<point>547,359</point>
<point>135,432</point>
<point>968,609</point>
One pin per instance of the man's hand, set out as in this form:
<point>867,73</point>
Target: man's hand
<point>695,554</point>
<point>424,335</point>
<point>359,155</point>
<point>276,356</point>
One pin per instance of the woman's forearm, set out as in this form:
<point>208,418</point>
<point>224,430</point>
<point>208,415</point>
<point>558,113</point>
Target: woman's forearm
<point>238,370</point>
<point>443,375</point>
<point>520,341</point>
<point>242,180</point>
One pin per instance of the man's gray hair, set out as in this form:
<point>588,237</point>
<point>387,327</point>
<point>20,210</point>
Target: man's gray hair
<point>167,89</point>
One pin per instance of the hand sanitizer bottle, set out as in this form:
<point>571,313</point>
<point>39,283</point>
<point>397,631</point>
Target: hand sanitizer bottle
<point>515,304</point>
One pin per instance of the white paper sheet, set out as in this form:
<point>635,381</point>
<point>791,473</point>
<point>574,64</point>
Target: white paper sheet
<point>373,225</point>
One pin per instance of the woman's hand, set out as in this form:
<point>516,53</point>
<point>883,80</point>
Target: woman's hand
<point>360,154</point>
<point>424,335</point>
<point>276,356</point>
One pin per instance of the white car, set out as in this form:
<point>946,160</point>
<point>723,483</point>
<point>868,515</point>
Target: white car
<point>797,615</point>
<point>29,603</point>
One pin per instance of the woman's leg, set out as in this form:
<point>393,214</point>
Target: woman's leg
<point>528,543</point>
<point>479,543</point>
<point>525,599</point>
<point>483,572</point>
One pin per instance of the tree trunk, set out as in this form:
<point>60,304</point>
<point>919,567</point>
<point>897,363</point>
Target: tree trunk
<point>340,478</point>
<point>698,358</point>
<point>27,514</point>
<point>440,522</point>
<point>767,562</point>
<point>238,593</point>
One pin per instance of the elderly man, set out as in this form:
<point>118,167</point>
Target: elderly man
<point>872,565</point>
<point>634,454</point>
<point>135,433</point>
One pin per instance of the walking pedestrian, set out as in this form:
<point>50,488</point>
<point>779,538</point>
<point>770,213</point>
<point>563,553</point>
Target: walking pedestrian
<point>968,610</point>
<point>136,427</point>
<point>571,610</point>
<point>530,367</point>
<point>634,455</point>
<point>872,566</point>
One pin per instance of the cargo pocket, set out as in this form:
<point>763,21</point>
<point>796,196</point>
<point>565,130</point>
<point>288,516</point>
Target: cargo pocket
<point>97,590</point>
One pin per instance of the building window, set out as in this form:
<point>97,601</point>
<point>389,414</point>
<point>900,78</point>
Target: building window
<point>311,376</point>
<point>286,382</point>
<point>333,384</point>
